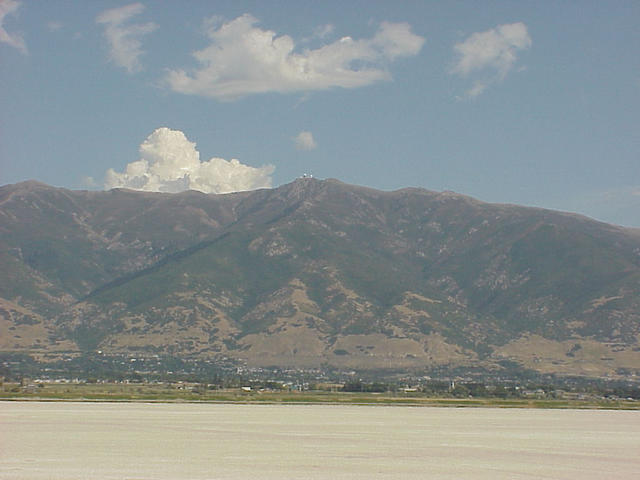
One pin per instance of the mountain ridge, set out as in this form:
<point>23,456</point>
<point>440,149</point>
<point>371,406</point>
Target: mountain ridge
<point>319,272</point>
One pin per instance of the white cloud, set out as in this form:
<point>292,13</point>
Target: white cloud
<point>8,7</point>
<point>169,162</point>
<point>492,53</point>
<point>124,38</point>
<point>304,141</point>
<point>478,87</point>
<point>243,59</point>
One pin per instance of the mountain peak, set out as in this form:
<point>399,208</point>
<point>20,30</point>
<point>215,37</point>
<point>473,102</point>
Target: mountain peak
<point>318,272</point>
<point>28,185</point>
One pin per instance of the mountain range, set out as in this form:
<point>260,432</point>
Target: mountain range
<point>317,273</point>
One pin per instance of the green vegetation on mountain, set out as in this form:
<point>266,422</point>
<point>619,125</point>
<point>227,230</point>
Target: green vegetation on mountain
<point>318,273</point>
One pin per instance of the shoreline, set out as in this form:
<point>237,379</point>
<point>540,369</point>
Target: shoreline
<point>312,398</point>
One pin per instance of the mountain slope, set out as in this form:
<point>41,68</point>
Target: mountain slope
<point>323,273</point>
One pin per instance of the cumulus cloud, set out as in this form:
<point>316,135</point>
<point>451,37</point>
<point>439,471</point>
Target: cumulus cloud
<point>8,7</point>
<point>305,141</point>
<point>492,53</point>
<point>169,162</point>
<point>244,59</point>
<point>124,38</point>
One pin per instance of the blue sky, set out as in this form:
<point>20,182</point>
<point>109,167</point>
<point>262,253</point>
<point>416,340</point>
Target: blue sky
<point>533,103</point>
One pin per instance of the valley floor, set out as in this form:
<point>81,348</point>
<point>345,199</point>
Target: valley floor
<point>181,393</point>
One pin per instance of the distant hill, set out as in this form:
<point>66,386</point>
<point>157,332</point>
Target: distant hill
<point>318,273</point>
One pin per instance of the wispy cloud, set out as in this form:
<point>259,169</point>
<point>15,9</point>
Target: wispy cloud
<point>324,30</point>
<point>88,182</point>
<point>491,55</point>
<point>305,141</point>
<point>8,7</point>
<point>124,37</point>
<point>169,162</point>
<point>54,26</point>
<point>242,59</point>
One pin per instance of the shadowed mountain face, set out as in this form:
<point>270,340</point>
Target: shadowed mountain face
<point>318,273</point>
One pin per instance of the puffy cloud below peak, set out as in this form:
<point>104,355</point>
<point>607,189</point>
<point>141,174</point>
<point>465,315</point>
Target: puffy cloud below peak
<point>169,162</point>
<point>244,59</point>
